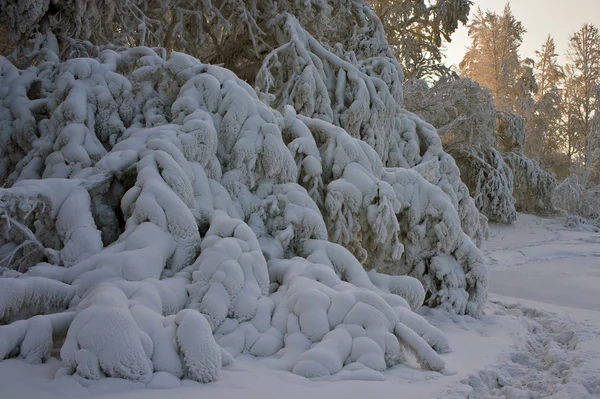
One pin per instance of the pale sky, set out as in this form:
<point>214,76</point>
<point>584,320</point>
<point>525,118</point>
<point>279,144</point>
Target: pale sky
<point>559,18</point>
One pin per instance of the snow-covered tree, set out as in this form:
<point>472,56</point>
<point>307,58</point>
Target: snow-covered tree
<point>488,145</point>
<point>580,126</point>
<point>493,60</point>
<point>417,31</point>
<point>464,113</point>
<point>486,131</point>
<point>543,139</point>
<point>582,102</point>
<point>533,186</point>
<point>163,216</point>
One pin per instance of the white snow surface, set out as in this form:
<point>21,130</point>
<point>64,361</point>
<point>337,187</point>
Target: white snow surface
<point>539,338</point>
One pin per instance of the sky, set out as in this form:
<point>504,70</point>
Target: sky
<point>559,18</point>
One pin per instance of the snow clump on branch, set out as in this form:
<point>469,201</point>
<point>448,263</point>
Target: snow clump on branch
<point>178,220</point>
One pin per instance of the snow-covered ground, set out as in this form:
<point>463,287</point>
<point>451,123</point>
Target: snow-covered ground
<point>541,260</point>
<point>547,276</point>
<point>540,338</point>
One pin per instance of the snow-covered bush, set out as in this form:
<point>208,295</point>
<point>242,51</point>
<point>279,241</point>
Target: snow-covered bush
<point>177,219</point>
<point>491,182</point>
<point>572,196</point>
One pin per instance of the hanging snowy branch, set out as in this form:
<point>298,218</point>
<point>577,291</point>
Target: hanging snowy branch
<point>183,219</point>
<point>205,170</point>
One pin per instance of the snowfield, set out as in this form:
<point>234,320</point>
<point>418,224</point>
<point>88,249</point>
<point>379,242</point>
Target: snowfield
<point>541,260</point>
<point>539,338</point>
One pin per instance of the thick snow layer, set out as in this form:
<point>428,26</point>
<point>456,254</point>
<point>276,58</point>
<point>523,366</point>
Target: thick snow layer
<point>520,349</point>
<point>514,350</point>
<point>553,271</point>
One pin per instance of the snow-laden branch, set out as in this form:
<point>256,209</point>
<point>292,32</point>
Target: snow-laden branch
<point>184,221</point>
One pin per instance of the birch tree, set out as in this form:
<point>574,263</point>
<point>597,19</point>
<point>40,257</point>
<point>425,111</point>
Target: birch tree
<point>493,59</point>
<point>582,80</point>
<point>543,141</point>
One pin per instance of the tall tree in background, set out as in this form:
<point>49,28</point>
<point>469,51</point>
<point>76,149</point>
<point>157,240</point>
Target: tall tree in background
<point>493,59</point>
<point>417,29</point>
<point>581,100</point>
<point>568,127</point>
<point>543,142</point>
<point>492,167</point>
<point>548,71</point>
